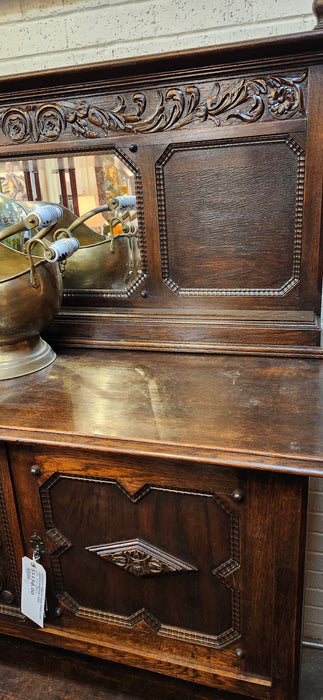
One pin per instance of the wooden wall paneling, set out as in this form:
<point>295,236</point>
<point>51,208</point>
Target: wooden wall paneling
<point>234,200</point>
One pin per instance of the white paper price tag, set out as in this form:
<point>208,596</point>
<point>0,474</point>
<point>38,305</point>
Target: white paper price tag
<point>33,590</point>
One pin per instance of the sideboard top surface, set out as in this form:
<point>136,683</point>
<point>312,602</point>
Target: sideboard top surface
<point>251,412</point>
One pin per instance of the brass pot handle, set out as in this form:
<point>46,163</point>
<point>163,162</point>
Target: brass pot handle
<point>55,252</point>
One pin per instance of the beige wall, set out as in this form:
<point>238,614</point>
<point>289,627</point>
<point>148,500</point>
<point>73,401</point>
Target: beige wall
<point>41,34</point>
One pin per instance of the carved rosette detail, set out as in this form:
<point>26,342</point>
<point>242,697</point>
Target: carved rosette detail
<point>174,108</point>
<point>139,563</point>
<point>140,558</point>
<point>51,121</point>
<point>23,124</point>
<point>16,125</point>
<point>284,98</point>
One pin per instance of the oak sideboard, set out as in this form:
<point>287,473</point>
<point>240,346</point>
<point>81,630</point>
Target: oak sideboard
<point>160,465</point>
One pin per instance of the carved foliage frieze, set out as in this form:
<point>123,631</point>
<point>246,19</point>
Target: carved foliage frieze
<point>245,100</point>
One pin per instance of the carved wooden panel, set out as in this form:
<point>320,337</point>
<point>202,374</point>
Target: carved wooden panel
<point>266,97</point>
<point>213,239</point>
<point>239,528</point>
<point>191,538</point>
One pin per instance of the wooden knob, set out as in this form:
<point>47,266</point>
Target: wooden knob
<point>318,11</point>
<point>7,597</point>
<point>34,470</point>
<point>240,654</point>
<point>237,495</point>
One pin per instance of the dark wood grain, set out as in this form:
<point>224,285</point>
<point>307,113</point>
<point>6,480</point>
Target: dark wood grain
<point>244,411</point>
<point>81,499</point>
<point>290,536</point>
<point>159,435</point>
<point>172,451</point>
<point>69,675</point>
<point>212,198</point>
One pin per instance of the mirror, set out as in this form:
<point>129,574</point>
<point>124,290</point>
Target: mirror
<point>102,185</point>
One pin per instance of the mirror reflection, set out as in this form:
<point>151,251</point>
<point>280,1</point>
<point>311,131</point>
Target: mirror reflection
<point>97,196</point>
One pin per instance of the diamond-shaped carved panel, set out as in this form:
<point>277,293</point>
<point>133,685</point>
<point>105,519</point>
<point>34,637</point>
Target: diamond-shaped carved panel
<point>140,558</point>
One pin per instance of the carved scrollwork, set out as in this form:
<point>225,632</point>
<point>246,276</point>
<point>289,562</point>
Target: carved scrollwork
<point>285,99</point>
<point>248,100</point>
<point>173,109</point>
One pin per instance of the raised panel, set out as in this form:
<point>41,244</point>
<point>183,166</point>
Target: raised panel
<point>213,616</point>
<point>192,539</point>
<point>231,216</point>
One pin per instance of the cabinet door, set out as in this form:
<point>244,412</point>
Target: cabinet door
<point>10,545</point>
<point>186,569</point>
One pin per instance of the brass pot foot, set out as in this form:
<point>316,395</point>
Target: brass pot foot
<point>25,357</point>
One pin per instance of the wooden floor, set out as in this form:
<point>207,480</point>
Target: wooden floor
<point>32,671</point>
